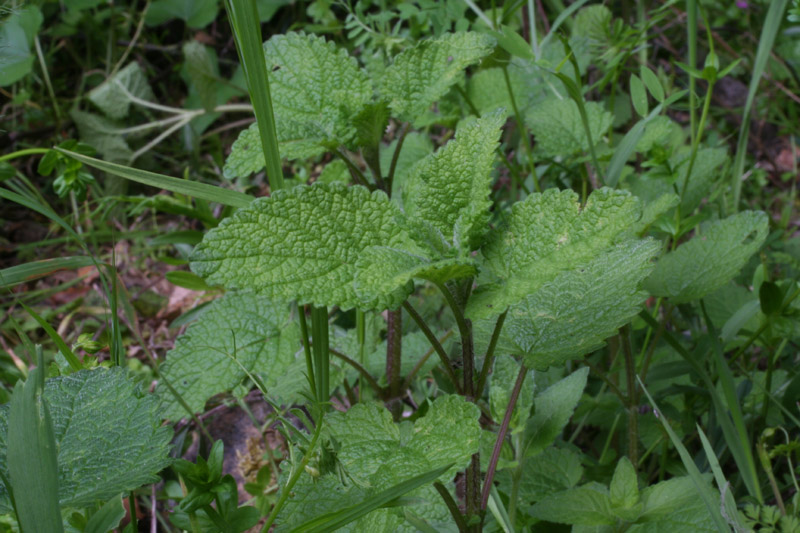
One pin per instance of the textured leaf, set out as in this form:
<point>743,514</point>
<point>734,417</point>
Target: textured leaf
<point>374,448</point>
<point>256,332</point>
<point>554,408</point>
<point>449,190</point>
<point>624,488</point>
<point>113,96</point>
<point>421,75</point>
<point>108,434</point>
<point>317,92</point>
<point>546,234</point>
<point>504,375</point>
<point>378,454</point>
<point>558,129</point>
<point>303,244</point>
<point>673,506</point>
<point>710,259</point>
<point>574,313</point>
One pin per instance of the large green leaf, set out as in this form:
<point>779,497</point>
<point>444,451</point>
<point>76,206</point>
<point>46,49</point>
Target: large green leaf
<point>421,75</point>
<point>113,97</point>
<point>448,192</point>
<point>317,91</point>
<point>303,244</point>
<point>237,334</point>
<point>378,454</point>
<point>558,128</point>
<point>547,234</point>
<point>108,434</point>
<point>710,259</point>
<point>575,312</point>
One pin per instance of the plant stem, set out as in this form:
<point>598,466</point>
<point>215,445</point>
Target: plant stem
<point>361,332</point>
<point>301,311</point>
<point>489,358</point>
<point>395,158</point>
<point>498,444</point>
<point>361,370</point>
<point>697,138</point>
<point>633,412</point>
<point>358,176</point>
<point>448,367</point>
<point>287,490</point>
<point>691,37</point>
<point>394,351</point>
<point>424,359</point>
<point>23,153</point>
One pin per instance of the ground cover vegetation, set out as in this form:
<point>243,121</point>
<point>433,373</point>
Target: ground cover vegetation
<point>399,266</point>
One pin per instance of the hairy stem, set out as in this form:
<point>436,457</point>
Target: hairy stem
<point>448,367</point>
<point>361,370</point>
<point>489,359</point>
<point>395,158</point>
<point>394,351</point>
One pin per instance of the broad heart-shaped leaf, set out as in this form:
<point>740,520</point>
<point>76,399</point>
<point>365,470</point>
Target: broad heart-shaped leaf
<point>710,259</point>
<point>113,96</point>
<point>575,312</point>
<point>239,333</point>
<point>303,244</point>
<point>108,434</point>
<point>317,91</point>
<point>558,129</point>
<point>544,235</point>
<point>378,454</point>
<point>421,75</point>
<point>448,191</point>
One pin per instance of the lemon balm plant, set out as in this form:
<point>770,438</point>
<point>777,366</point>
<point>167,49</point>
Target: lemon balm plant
<point>432,312</point>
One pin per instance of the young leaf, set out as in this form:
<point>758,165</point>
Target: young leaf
<point>449,190</point>
<point>587,505</point>
<point>554,408</point>
<point>113,97</point>
<point>317,91</point>
<point>575,312</point>
<point>552,471</point>
<point>239,333</point>
<point>558,127</point>
<point>710,259</point>
<point>303,244</point>
<point>17,33</point>
<point>421,75</point>
<point>652,83</point>
<point>547,234</point>
<point>624,488</point>
<point>108,435</point>
<point>201,68</point>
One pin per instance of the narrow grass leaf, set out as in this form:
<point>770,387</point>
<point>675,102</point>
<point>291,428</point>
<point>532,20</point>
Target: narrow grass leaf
<point>731,515</point>
<point>708,496</point>
<point>194,189</point>
<point>36,269</point>
<point>42,209</point>
<point>68,354</point>
<point>247,31</point>
<point>333,521</point>
<point>32,459</point>
<point>769,31</point>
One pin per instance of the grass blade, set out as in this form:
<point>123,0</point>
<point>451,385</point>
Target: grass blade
<point>247,32</point>
<point>730,513</point>
<point>36,269</point>
<point>768,33</point>
<point>333,521</point>
<point>56,338</point>
<point>32,456</point>
<point>194,189</point>
<point>42,209</point>
<point>708,496</point>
